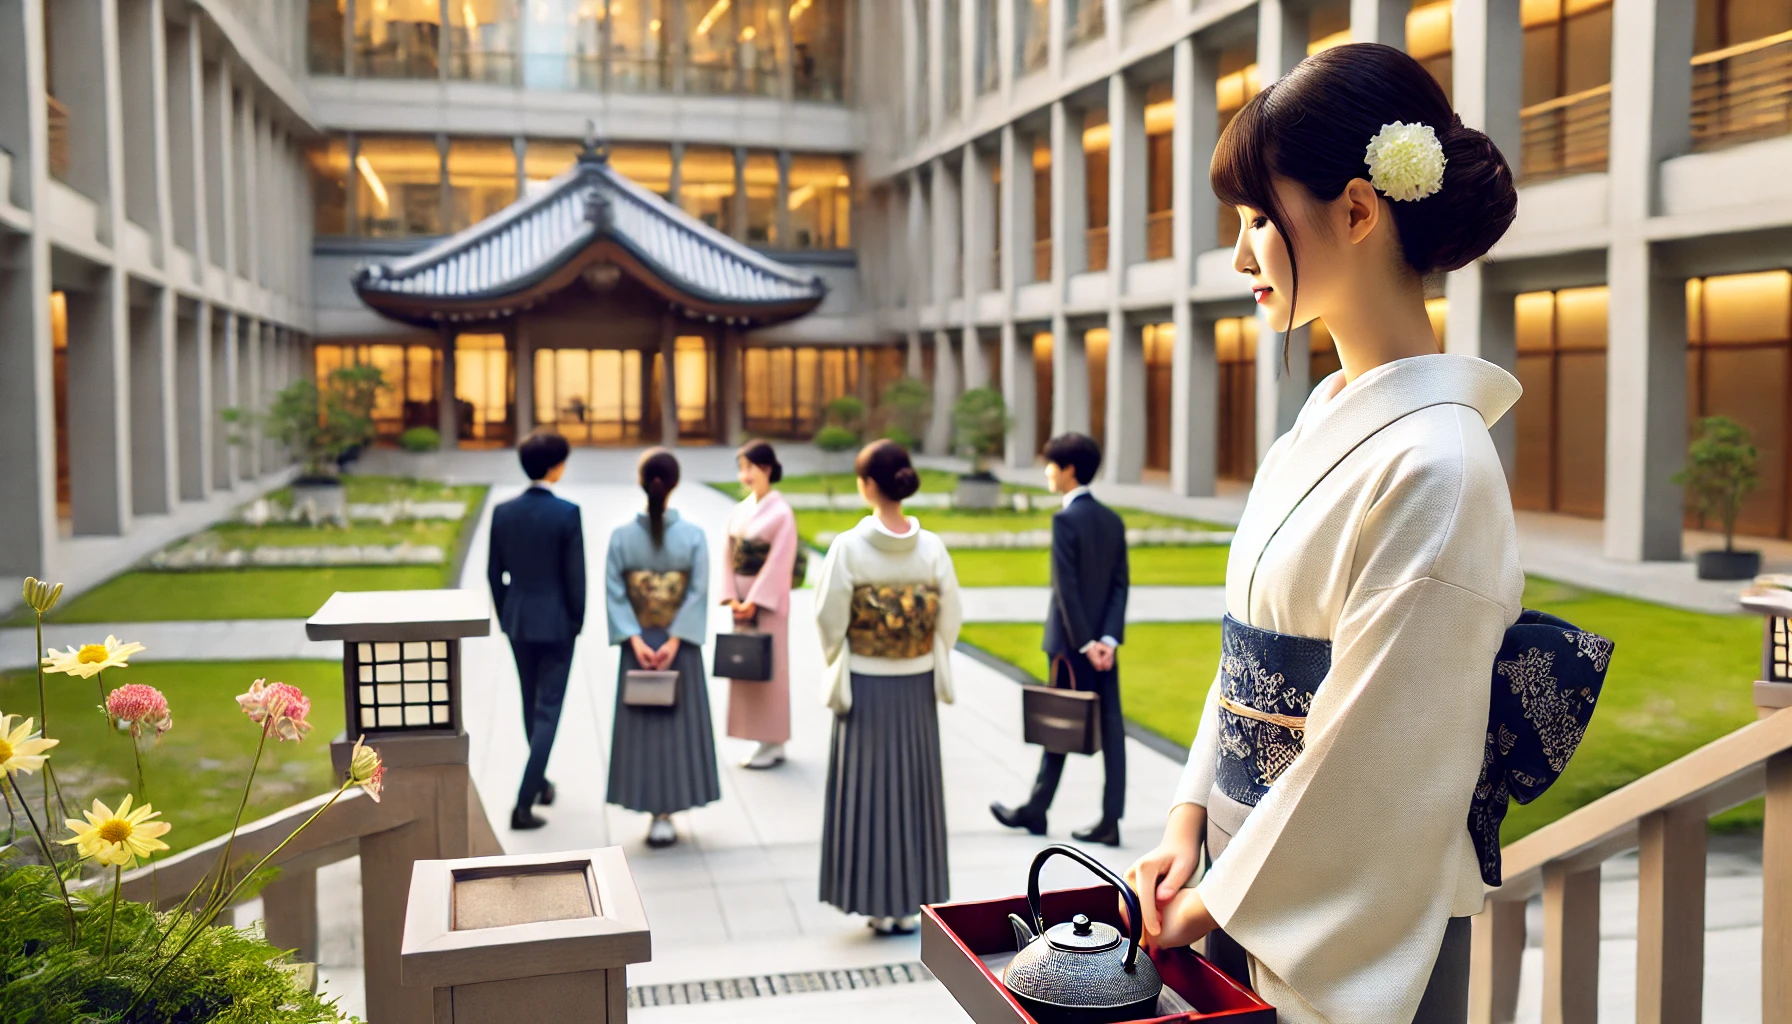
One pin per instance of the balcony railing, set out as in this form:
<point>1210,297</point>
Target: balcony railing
<point>1098,248</point>
<point>58,138</point>
<point>1742,92</point>
<point>1158,228</point>
<point>1567,135</point>
<point>1042,260</point>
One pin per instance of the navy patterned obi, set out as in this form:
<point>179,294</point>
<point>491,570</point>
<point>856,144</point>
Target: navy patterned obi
<point>1546,680</point>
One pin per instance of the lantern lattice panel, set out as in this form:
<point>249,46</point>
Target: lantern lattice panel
<point>402,685</point>
<point>1779,649</point>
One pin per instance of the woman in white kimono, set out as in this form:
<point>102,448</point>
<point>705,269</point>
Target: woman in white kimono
<point>1376,555</point>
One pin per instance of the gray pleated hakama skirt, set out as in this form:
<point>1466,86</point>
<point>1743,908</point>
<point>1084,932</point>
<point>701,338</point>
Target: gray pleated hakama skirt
<point>883,835</point>
<point>663,760</point>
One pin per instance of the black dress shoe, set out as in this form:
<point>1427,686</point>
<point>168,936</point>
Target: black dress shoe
<point>1105,832</point>
<point>547,793</point>
<point>522,819</point>
<point>1019,817</point>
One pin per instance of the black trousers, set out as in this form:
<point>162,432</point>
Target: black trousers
<point>1113,742</point>
<point>542,669</point>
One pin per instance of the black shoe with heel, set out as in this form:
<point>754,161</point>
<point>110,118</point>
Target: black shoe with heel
<point>1019,817</point>
<point>523,819</point>
<point>1106,832</point>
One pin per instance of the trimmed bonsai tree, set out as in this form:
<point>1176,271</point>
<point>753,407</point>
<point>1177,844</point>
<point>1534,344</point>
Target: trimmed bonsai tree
<point>903,409</point>
<point>1720,473</point>
<point>321,425</point>
<point>842,431</point>
<point>980,424</point>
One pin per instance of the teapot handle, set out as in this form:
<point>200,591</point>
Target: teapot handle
<point>1133,912</point>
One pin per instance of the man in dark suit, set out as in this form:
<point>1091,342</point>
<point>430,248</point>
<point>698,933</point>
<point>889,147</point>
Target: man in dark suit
<point>1086,624</point>
<point>536,569</point>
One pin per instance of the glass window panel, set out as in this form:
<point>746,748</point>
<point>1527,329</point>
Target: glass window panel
<point>951,67</point>
<point>1534,462</point>
<point>1580,318</point>
<point>398,38</point>
<point>1748,20</point>
<point>323,33</point>
<point>1032,33</point>
<point>1694,317</point>
<point>1748,307</point>
<point>647,166</point>
<point>1580,432</point>
<point>1534,314</point>
<point>1438,311</point>
<point>706,185</point>
<point>481,179</point>
<point>1587,50</point>
<point>399,187</point>
<point>1042,388</point>
<point>818,49</point>
<point>1542,63</point>
<point>758,40</point>
<point>482,386</point>
<point>388,401</point>
<point>544,159</point>
<point>820,202</point>
<point>563,44</point>
<point>805,381</point>
<point>1095,348</point>
<point>709,49</point>
<point>329,186</point>
<point>1428,27</point>
<point>483,36</point>
<point>1748,385</point>
<point>690,364</point>
<point>761,176</point>
<point>989,61</point>
<point>638,54</point>
<point>1084,20</point>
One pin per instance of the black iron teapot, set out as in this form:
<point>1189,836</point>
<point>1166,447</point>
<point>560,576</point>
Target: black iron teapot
<point>1079,971</point>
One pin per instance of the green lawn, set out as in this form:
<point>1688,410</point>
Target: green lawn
<point>1678,681</point>
<point>371,489</point>
<point>194,776</point>
<point>1199,565</point>
<point>243,536</point>
<point>276,593</point>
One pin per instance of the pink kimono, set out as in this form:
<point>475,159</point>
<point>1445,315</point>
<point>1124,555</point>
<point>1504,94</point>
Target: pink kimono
<point>761,710</point>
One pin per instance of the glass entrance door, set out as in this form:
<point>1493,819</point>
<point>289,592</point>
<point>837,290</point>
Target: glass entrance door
<point>597,396</point>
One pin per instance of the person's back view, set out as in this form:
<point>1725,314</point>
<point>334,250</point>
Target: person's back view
<point>536,568</point>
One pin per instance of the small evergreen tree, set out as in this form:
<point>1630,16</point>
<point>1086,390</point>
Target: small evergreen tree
<point>1720,472</point>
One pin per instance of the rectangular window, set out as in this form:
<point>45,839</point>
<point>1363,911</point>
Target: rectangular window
<point>1742,72</point>
<point>1097,137</point>
<point>709,45</point>
<point>1095,352</point>
<point>989,59</point>
<point>328,161</point>
<point>820,202</point>
<point>481,179</point>
<point>1238,81</point>
<point>398,39</point>
<point>323,35</point>
<point>647,166</point>
<point>923,65</point>
<point>1160,345</point>
<point>953,63</point>
<point>1084,20</point>
<point>1160,123</point>
<point>1328,25</point>
<point>1566,118</point>
<point>545,159</point>
<point>1428,29</point>
<point>761,175</point>
<point>1560,421</point>
<point>1235,349</point>
<point>639,55</point>
<point>1042,388</point>
<point>483,389</point>
<point>1032,34</point>
<point>563,44</point>
<point>758,41</point>
<point>706,186</point>
<point>408,378</point>
<point>1042,210</point>
<point>818,49</point>
<point>483,40</point>
<point>399,187</point>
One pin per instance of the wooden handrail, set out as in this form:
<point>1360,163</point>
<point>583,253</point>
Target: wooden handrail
<point>1719,775</point>
<point>1565,101</point>
<point>1713,56</point>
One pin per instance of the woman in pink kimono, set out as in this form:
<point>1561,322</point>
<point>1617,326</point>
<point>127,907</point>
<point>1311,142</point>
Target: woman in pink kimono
<point>765,561</point>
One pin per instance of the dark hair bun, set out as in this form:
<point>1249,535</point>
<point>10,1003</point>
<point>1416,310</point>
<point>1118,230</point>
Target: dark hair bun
<point>886,464</point>
<point>904,483</point>
<point>1457,225</point>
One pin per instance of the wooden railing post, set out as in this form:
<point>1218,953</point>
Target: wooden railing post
<point>289,912</point>
<point>1776,894</point>
<point>1670,925</point>
<point>1496,952</point>
<point>1570,945</point>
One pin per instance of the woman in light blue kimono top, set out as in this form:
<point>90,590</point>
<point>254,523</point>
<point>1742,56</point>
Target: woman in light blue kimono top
<point>662,759</point>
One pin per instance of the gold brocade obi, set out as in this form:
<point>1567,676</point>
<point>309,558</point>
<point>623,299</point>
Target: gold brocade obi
<point>655,596</point>
<point>750,556</point>
<point>893,620</point>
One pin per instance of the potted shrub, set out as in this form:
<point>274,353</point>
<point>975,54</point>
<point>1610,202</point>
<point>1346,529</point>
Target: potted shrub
<point>980,429</point>
<point>903,409</point>
<point>1720,472</point>
<point>842,431</point>
<point>320,426</point>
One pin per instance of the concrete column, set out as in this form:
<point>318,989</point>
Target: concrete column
<point>946,253</point>
<point>1645,404</point>
<point>141,67</point>
<point>913,89</point>
<point>249,451</point>
<point>737,206</point>
<point>781,211</point>
<point>1070,378</point>
<point>447,409</point>
<point>1281,37</point>
<point>676,182</point>
<point>976,361</point>
<point>935,86</point>
<point>192,390</point>
<point>1017,210</point>
<point>1481,322</point>
<point>978,229</point>
<point>1126,180</point>
<point>1057,40</point>
<point>99,407</point>
<point>187,135</point>
<point>914,365</point>
<point>223,184</point>
<point>224,395</point>
<point>1379,21</point>
<point>151,382</point>
<point>920,252</point>
<point>1194,380</point>
<point>668,382</point>
<point>524,349</point>
<point>27,403</point>
<point>1487,70</point>
<point>1018,383</point>
<point>734,427</point>
<point>1281,389</point>
<point>1070,204</point>
<point>1125,457</point>
<point>945,392</point>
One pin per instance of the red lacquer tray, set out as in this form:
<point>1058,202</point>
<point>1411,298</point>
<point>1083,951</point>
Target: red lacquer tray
<point>956,936</point>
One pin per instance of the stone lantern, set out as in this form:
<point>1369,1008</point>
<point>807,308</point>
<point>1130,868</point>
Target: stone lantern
<point>536,937</point>
<point>1771,599</point>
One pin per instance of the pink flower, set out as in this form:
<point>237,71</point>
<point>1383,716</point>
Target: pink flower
<point>279,707</point>
<point>139,705</point>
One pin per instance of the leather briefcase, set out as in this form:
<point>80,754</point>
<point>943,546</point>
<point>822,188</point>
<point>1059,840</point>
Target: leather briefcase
<point>744,656</point>
<point>646,688</point>
<point>1062,719</point>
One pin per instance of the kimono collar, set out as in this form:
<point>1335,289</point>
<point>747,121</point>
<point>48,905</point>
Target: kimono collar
<point>1333,423</point>
<point>879,536</point>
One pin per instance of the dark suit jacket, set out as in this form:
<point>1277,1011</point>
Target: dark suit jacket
<point>1089,576</point>
<point>539,540</point>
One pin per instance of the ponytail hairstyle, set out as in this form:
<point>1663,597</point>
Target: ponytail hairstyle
<point>1314,125</point>
<point>658,471</point>
<point>886,464</point>
<point>761,454</point>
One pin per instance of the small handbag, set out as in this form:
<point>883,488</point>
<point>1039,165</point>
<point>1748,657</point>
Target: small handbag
<point>1063,720</point>
<point>746,657</point>
<point>647,688</point>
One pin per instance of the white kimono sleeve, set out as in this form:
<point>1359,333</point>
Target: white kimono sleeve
<point>1203,754</point>
<point>833,613</point>
<point>946,624</point>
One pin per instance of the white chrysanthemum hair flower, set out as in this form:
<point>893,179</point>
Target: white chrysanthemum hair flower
<point>1406,162</point>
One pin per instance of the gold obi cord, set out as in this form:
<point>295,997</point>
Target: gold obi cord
<point>893,620</point>
<point>1297,723</point>
<point>655,596</point>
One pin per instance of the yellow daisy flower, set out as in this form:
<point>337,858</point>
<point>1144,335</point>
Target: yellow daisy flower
<point>18,751</point>
<point>87,661</point>
<point>119,837</point>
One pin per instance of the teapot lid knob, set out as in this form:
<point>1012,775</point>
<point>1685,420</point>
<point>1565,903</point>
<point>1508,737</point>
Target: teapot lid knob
<point>1080,924</point>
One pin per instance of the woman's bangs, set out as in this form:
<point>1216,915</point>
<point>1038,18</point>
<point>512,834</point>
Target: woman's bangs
<point>1240,172</point>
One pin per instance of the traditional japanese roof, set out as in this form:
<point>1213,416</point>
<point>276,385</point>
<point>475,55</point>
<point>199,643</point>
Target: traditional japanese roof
<point>588,222</point>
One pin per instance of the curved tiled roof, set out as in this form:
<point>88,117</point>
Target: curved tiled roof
<point>486,269</point>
